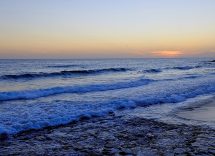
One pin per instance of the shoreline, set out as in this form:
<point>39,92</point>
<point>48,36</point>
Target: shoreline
<point>202,111</point>
<point>113,135</point>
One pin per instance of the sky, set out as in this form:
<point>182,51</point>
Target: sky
<point>107,28</point>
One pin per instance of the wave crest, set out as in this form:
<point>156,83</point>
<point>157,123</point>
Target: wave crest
<point>62,73</point>
<point>37,93</point>
<point>186,67</point>
<point>153,71</point>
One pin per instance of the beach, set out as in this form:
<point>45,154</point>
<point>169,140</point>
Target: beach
<point>115,134</point>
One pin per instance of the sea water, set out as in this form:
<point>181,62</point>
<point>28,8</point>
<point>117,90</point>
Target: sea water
<point>38,93</point>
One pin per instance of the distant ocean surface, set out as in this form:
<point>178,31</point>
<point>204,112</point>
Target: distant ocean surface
<point>38,93</point>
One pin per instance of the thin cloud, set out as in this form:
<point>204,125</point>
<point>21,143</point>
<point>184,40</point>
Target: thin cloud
<point>167,53</point>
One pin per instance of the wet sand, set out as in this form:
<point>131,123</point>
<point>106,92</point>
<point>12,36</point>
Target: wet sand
<point>113,135</point>
<point>201,112</point>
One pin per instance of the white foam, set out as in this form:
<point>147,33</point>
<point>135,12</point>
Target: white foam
<point>20,116</point>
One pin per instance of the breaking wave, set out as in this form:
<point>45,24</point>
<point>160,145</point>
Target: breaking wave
<point>64,112</point>
<point>37,93</point>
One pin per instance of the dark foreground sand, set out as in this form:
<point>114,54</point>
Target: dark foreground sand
<point>114,135</point>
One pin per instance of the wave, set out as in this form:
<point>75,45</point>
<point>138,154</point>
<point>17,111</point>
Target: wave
<point>62,73</point>
<point>33,116</point>
<point>63,66</point>
<point>37,93</point>
<point>185,67</point>
<point>153,71</point>
<point>175,68</point>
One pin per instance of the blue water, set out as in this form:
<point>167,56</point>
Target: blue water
<point>38,93</point>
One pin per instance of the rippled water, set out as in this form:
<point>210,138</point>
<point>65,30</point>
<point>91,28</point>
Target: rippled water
<point>39,93</point>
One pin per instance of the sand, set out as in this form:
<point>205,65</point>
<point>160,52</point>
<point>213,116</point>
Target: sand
<point>113,135</point>
<point>123,134</point>
<point>202,111</point>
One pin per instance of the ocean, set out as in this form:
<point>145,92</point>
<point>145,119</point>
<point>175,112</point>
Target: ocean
<point>35,94</point>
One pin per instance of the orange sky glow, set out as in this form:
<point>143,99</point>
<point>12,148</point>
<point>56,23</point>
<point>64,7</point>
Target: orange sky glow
<point>168,53</point>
